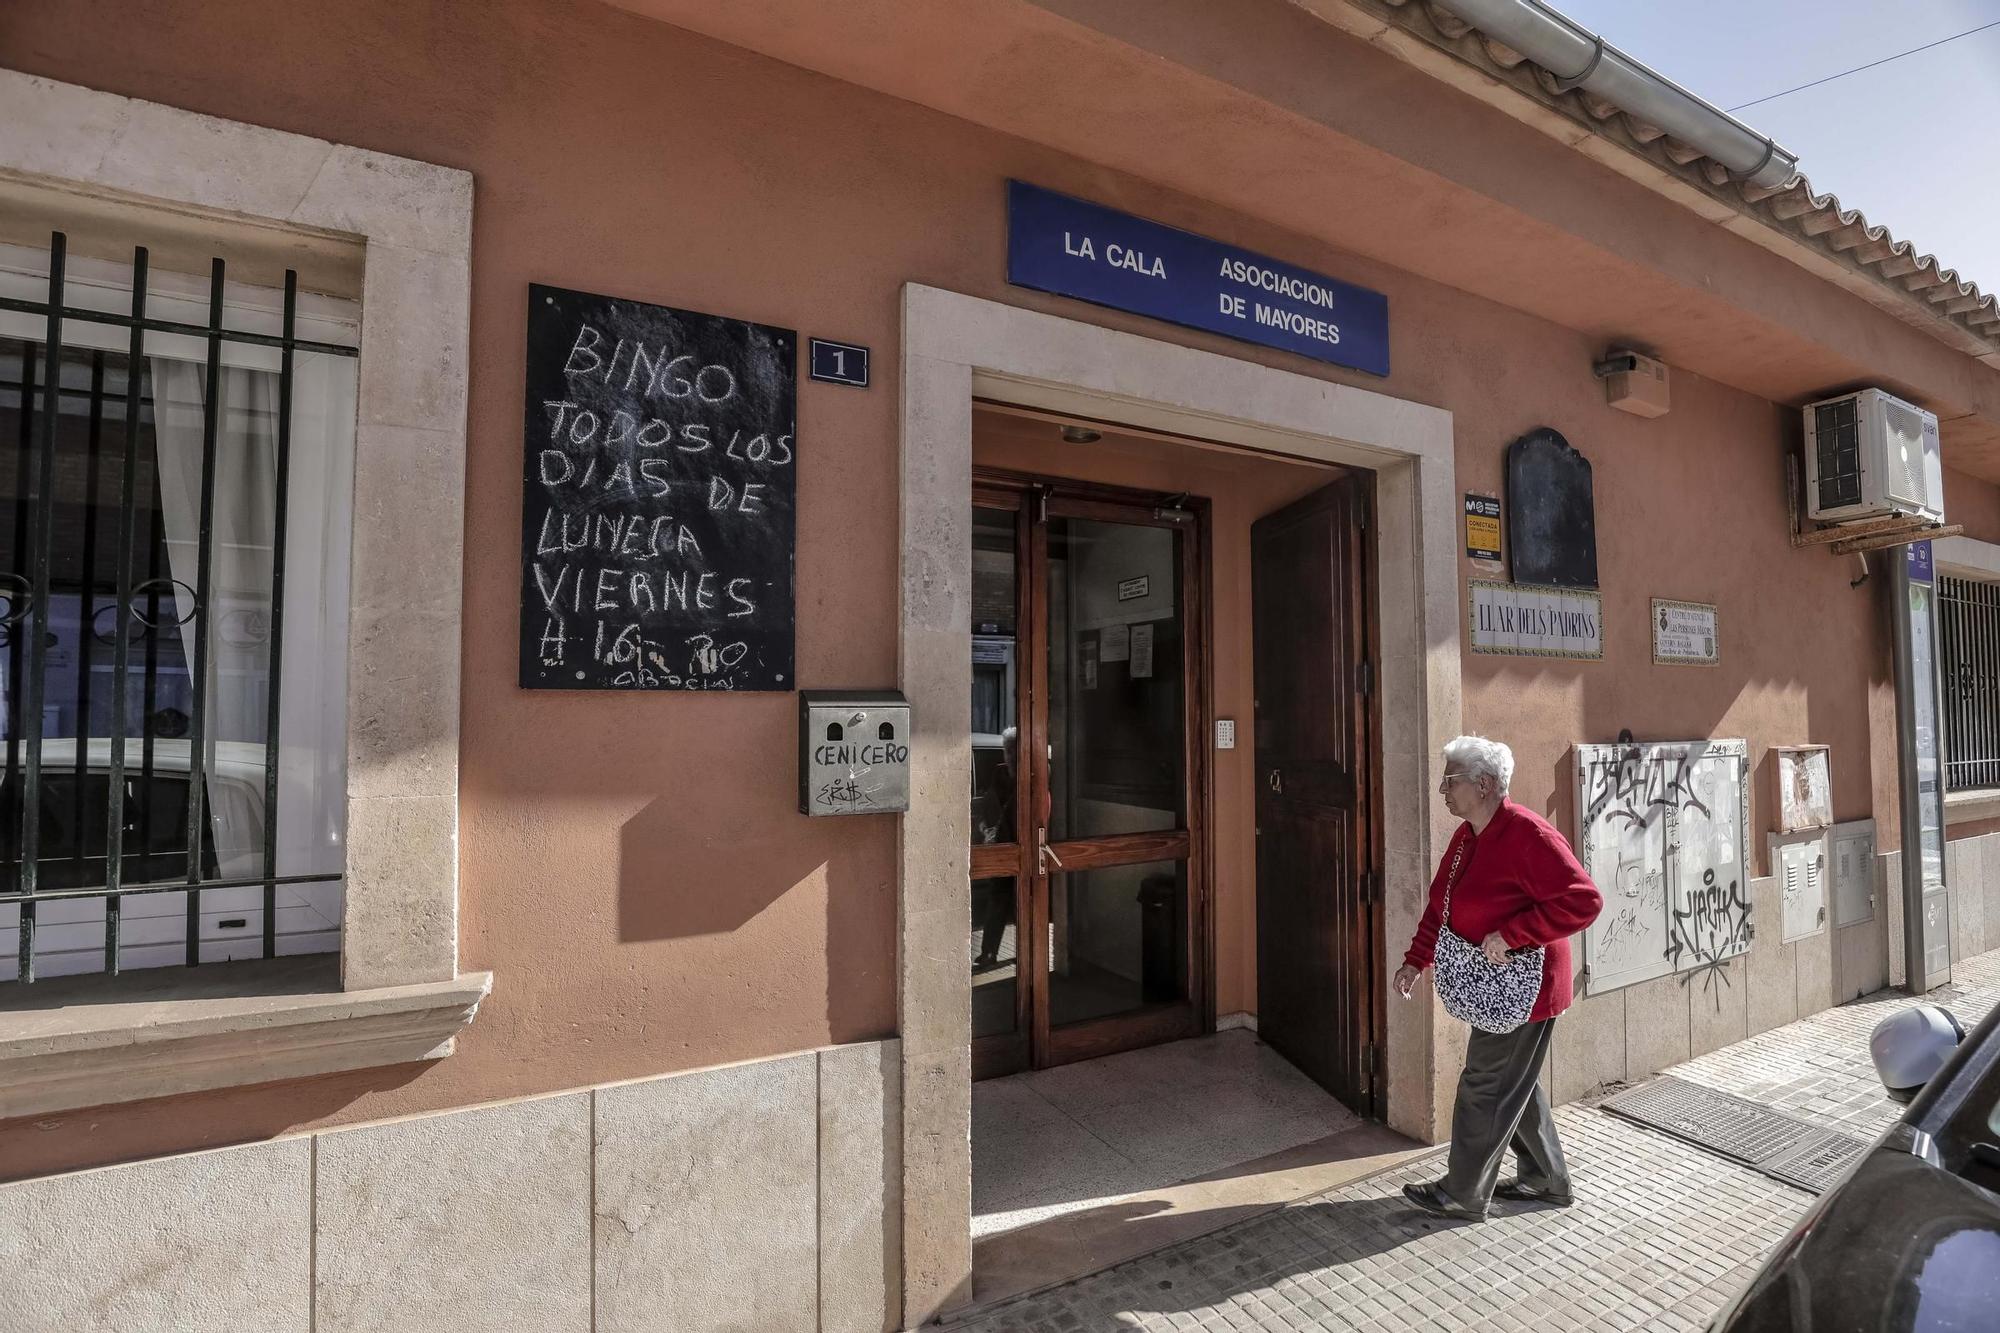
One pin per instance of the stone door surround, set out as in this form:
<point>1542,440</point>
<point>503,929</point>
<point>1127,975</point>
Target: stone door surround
<point>958,347</point>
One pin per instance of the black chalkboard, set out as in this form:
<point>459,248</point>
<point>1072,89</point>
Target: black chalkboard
<point>659,506</point>
<point>1551,515</point>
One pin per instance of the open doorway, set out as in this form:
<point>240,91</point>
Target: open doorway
<point>977,353</point>
<point>1089,857</point>
<point>1118,868</point>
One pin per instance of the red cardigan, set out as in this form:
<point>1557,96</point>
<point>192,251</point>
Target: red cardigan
<point>1520,878</point>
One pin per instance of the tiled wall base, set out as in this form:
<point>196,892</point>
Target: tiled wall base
<point>753,1196</point>
<point>1972,878</point>
<point>1972,871</point>
<point>1630,1034</point>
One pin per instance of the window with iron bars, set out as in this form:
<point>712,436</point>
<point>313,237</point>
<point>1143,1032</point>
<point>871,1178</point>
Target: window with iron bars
<point>1969,667</point>
<point>176,457</point>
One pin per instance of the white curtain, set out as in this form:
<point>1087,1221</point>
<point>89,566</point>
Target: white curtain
<point>312,677</point>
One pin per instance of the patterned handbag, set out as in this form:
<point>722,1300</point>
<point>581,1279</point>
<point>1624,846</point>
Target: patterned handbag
<point>1491,999</point>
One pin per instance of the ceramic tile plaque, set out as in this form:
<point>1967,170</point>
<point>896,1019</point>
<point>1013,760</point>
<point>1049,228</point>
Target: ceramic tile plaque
<point>1521,621</point>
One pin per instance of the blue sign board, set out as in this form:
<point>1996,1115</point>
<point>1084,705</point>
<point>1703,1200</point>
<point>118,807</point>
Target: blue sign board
<point>1073,248</point>
<point>1921,569</point>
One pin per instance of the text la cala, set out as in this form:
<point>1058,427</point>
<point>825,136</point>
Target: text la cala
<point>1116,255</point>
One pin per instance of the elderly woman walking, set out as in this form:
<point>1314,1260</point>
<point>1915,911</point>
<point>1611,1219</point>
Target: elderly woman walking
<point>1507,896</point>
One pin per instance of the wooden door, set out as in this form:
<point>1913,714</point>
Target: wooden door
<point>1319,995</point>
<point>1090,792</point>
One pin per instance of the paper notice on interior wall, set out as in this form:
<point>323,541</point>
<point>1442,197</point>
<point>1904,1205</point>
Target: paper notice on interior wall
<point>1087,656</point>
<point>1117,644</point>
<point>1142,651</point>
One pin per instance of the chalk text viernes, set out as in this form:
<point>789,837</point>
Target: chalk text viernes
<point>658,506</point>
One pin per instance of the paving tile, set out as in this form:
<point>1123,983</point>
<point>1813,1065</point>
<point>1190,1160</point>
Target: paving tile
<point>1663,1233</point>
<point>1079,1137</point>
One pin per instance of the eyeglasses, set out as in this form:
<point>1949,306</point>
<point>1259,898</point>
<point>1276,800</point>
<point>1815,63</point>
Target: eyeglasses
<point>1444,784</point>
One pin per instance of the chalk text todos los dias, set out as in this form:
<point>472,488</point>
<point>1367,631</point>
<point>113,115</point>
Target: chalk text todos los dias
<point>593,556</point>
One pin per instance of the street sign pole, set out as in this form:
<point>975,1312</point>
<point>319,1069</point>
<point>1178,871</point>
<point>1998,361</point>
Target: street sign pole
<point>1920,769</point>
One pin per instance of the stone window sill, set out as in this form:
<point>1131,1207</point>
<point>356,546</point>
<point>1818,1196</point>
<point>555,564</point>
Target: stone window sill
<point>1968,807</point>
<point>91,1041</point>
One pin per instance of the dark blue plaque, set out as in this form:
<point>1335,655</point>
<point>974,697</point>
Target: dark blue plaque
<point>1074,248</point>
<point>838,363</point>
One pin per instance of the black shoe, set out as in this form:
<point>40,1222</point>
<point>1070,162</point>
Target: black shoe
<point>1433,1200</point>
<point>1516,1192</point>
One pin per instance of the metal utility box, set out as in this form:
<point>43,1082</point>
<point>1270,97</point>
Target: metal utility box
<point>854,752</point>
<point>1804,779</point>
<point>1853,872</point>
<point>1799,863</point>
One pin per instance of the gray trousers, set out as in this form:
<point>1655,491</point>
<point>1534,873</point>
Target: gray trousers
<point>1501,1102</point>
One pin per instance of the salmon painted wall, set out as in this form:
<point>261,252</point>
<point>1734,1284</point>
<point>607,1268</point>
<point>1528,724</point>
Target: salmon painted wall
<point>1691,508</point>
<point>633,870</point>
<point>1973,502</point>
<point>1242,488</point>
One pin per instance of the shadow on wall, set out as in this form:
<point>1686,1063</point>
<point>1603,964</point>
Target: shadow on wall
<point>1822,713</point>
<point>1827,714</point>
<point>94,1136</point>
<point>691,865</point>
<point>685,870</point>
<point>1561,809</point>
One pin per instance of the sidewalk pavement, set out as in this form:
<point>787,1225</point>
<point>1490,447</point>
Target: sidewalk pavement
<point>1662,1234</point>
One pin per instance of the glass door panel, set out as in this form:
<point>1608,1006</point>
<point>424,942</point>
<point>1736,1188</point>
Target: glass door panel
<point>995,729</point>
<point>1119,940</point>
<point>1114,581</point>
<point>1085,646</point>
<point>1000,787</point>
<point>1116,697</point>
<point>995,963</point>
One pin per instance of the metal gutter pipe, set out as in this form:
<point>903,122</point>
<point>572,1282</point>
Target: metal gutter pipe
<point>1580,58</point>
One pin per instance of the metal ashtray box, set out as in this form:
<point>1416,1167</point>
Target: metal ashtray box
<point>854,752</point>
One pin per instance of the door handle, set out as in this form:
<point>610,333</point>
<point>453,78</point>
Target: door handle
<point>1044,853</point>
<point>1276,781</point>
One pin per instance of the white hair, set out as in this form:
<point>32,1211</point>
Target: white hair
<point>1479,757</point>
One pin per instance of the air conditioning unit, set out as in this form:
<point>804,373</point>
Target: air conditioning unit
<point>1870,455</point>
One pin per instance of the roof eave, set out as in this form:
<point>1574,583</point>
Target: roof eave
<point>1790,220</point>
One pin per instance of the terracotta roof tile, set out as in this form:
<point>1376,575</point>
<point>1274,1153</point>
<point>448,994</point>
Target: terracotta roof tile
<point>1814,219</point>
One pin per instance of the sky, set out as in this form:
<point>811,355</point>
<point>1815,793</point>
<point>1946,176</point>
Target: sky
<point>1914,144</point>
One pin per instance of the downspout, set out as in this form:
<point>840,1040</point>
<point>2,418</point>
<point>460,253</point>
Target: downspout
<point>1580,58</point>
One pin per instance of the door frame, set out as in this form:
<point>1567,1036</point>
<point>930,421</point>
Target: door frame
<point>1046,1045</point>
<point>954,348</point>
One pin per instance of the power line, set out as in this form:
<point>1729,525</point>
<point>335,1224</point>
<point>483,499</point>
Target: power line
<point>1870,65</point>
